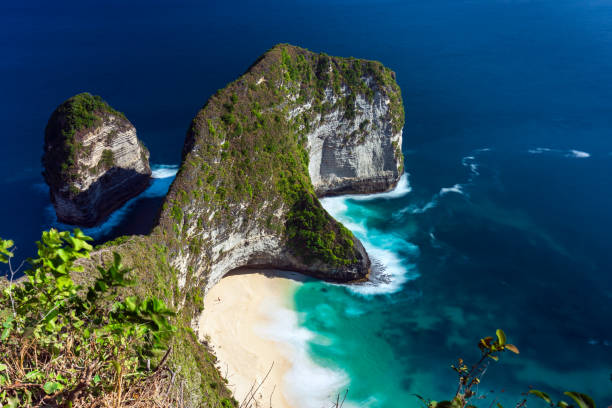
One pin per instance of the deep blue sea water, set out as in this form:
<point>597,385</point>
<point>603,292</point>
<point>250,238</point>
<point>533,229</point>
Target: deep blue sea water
<point>506,221</point>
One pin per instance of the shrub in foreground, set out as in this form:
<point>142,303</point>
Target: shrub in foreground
<point>64,345</point>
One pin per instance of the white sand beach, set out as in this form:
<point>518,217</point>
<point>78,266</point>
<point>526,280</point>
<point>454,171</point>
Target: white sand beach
<point>235,319</point>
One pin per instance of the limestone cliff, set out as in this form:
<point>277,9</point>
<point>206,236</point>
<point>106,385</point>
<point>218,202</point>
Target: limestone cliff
<point>295,126</point>
<point>359,155</point>
<point>93,161</point>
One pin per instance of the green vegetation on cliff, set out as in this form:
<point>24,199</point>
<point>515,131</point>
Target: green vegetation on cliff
<point>94,343</point>
<point>247,147</point>
<point>74,116</point>
<point>63,344</point>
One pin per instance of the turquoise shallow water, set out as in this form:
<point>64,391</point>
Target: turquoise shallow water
<point>458,265</point>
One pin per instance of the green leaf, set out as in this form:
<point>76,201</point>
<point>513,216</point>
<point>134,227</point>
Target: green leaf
<point>53,313</point>
<point>562,404</point>
<point>8,322</point>
<point>64,282</point>
<point>63,254</point>
<point>3,367</point>
<point>52,387</point>
<point>541,394</point>
<point>5,254</point>
<point>583,400</point>
<point>5,333</point>
<point>78,234</point>
<point>12,402</point>
<point>501,337</point>
<point>131,303</point>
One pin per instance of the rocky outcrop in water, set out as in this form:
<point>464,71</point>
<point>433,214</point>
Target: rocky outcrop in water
<point>93,161</point>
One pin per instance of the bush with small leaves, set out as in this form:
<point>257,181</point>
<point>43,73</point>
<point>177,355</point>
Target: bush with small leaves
<point>65,345</point>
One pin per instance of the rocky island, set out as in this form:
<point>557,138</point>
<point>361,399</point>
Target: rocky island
<point>296,126</point>
<point>93,161</point>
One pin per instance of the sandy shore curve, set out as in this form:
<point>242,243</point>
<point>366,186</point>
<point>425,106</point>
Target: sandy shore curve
<point>237,324</point>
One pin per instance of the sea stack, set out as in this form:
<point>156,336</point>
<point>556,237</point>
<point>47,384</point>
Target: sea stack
<point>93,161</point>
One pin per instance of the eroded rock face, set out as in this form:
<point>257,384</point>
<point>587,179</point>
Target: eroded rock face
<point>296,126</point>
<point>362,155</point>
<point>93,161</point>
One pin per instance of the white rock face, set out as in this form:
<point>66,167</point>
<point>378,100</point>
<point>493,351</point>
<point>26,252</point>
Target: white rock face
<point>353,138</point>
<point>355,156</point>
<point>120,138</point>
<point>111,166</point>
<point>344,157</point>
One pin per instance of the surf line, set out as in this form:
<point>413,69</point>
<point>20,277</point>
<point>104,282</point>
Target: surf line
<point>162,176</point>
<point>390,269</point>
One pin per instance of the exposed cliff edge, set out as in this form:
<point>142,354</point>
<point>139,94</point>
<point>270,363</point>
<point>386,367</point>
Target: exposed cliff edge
<point>93,161</point>
<point>297,125</point>
<point>360,153</point>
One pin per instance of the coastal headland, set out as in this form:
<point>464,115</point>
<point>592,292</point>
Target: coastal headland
<point>295,127</point>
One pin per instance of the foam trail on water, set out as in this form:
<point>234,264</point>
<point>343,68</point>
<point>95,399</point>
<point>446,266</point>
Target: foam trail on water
<point>539,150</point>
<point>413,209</point>
<point>390,271</point>
<point>572,153</point>
<point>162,176</point>
<point>457,188</point>
<point>470,163</point>
<point>309,385</point>
<point>578,154</point>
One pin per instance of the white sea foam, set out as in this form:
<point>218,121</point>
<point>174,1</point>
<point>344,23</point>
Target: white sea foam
<point>309,385</point>
<point>389,270</point>
<point>539,150</point>
<point>457,188</point>
<point>578,154</point>
<point>402,188</point>
<point>162,171</point>
<point>162,176</point>
<point>420,210</point>
<point>470,162</point>
<point>413,209</point>
<point>572,153</point>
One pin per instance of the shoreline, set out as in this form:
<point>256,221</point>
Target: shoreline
<point>240,322</point>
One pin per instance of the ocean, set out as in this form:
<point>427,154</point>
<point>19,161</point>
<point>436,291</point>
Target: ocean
<point>502,219</point>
